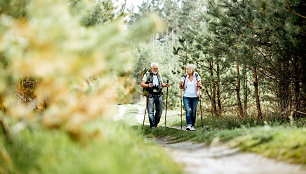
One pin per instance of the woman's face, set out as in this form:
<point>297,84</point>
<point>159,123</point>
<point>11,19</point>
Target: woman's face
<point>188,71</point>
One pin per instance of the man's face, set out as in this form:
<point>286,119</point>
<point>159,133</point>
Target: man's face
<point>154,69</point>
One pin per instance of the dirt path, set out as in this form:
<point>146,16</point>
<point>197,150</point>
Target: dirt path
<point>140,114</point>
<point>220,159</point>
<point>121,112</point>
<point>202,159</point>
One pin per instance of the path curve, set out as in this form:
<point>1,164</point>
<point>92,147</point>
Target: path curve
<point>218,159</point>
<point>203,159</point>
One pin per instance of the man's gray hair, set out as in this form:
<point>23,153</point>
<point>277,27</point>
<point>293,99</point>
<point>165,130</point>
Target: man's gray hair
<point>192,67</point>
<point>154,64</point>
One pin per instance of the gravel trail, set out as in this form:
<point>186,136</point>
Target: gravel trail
<point>220,159</point>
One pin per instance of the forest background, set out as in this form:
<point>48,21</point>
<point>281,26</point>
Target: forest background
<point>64,64</point>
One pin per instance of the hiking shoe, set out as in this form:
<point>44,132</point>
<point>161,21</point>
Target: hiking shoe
<point>192,128</point>
<point>188,127</point>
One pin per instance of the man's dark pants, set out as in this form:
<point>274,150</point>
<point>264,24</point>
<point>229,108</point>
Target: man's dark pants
<point>155,100</point>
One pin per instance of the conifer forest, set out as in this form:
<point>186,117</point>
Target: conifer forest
<point>72,86</point>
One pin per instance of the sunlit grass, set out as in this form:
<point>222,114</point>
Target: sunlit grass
<point>274,137</point>
<point>108,147</point>
<point>282,143</point>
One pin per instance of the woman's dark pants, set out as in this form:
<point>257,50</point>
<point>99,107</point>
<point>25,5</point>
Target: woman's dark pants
<point>191,109</point>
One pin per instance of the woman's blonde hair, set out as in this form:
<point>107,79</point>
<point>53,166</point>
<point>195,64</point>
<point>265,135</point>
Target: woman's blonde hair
<point>192,67</point>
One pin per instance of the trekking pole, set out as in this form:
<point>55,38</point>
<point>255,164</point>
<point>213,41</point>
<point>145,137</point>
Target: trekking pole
<point>144,116</point>
<point>181,112</point>
<point>166,104</point>
<point>201,109</point>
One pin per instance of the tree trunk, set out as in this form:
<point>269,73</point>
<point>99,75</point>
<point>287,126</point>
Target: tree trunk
<point>303,94</point>
<point>284,92</point>
<point>213,98</point>
<point>284,98</point>
<point>297,90</point>
<point>210,98</point>
<point>238,93</point>
<point>245,91</point>
<point>218,91</point>
<point>259,113</point>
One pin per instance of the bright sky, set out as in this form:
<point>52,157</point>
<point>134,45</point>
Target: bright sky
<point>130,3</point>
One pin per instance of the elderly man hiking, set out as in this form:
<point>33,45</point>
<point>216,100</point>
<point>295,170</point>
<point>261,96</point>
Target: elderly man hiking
<point>152,83</point>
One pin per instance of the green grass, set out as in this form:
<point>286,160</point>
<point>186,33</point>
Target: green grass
<point>197,136</point>
<point>112,147</point>
<point>274,137</point>
<point>231,122</point>
<point>282,143</point>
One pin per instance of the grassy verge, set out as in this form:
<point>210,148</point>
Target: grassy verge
<point>279,139</point>
<point>110,148</point>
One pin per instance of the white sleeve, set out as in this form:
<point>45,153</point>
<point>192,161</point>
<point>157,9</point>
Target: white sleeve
<point>199,78</point>
<point>144,77</point>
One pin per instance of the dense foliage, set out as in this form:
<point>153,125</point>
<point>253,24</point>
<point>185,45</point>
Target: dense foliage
<point>250,53</point>
<point>61,65</point>
<point>65,63</point>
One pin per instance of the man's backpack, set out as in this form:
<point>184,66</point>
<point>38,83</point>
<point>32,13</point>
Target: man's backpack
<point>145,71</point>
<point>145,91</point>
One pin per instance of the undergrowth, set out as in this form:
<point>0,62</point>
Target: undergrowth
<point>110,148</point>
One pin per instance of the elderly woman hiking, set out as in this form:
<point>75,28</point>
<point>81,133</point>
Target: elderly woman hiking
<point>191,84</point>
